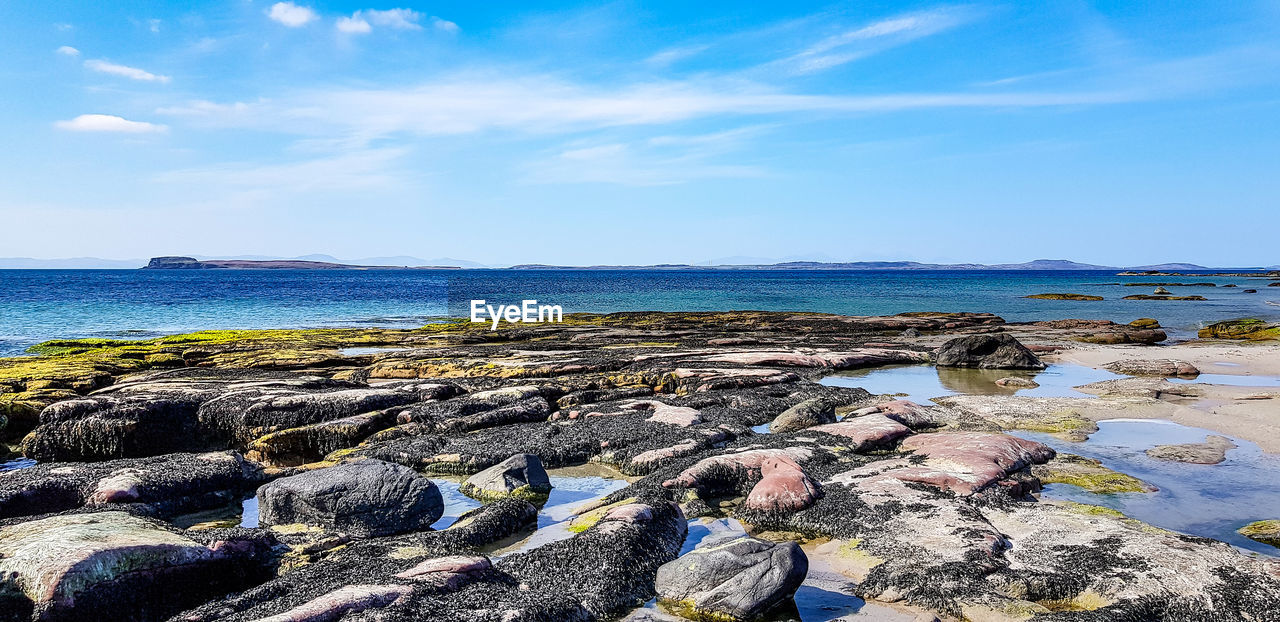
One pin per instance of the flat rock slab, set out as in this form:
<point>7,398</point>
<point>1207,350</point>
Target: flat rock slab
<point>77,567</point>
<point>364,498</point>
<point>1158,367</point>
<point>966,462</point>
<point>735,580</point>
<point>1212,451</point>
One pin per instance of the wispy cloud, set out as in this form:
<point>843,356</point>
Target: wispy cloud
<point>355,170</point>
<point>200,107</point>
<point>855,43</point>
<point>108,123</point>
<point>672,55</point>
<point>133,73</point>
<point>657,161</point>
<point>67,50</point>
<point>291,15</point>
<point>444,25</point>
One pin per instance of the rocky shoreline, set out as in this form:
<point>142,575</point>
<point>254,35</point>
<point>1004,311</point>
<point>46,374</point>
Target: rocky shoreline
<point>929,511</point>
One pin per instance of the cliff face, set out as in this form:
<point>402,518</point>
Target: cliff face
<point>171,263</point>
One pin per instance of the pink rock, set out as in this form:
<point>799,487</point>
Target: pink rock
<point>665,413</point>
<point>966,462</point>
<point>629,513</point>
<point>865,432</point>
<point>683,448</point>
<point>743,465</point>
<point>448,573</point>
<point>119,487</point>
<point>784,487</point>
<point>350,599</point>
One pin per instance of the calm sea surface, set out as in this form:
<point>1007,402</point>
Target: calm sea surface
<point>36,305</point>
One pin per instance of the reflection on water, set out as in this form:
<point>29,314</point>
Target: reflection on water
<point>17,463</point>
<point>249,512</point>
<point>1210,500</point>
<point>567,494</point>
<point>920,383</point>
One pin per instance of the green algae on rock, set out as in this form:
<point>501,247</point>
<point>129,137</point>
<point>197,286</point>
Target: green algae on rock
<point>1264,531</point>
<point>1064,297</point>
<point>1251,329</point>
<point>1088,474</point>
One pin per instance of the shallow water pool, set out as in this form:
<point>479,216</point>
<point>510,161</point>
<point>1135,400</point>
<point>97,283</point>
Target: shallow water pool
<point>920,383</point>
<point>1209,500</point>
<point>16,463</point>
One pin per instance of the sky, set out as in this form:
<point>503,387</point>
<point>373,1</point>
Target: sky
<point>1121,133</point>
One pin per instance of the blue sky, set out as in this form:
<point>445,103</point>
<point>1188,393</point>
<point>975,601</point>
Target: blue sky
<point>629,132</point>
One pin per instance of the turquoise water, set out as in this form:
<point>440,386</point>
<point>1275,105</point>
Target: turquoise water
<point>36,305</point>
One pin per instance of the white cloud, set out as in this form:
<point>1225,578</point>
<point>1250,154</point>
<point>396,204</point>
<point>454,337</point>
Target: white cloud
<point>67,50</point>
<point>661,161</point>
<point>108,123</point>
<point>399,19</point>
<point>153,25</point>
<point>444,25</point>
<point>355,170</point>
<point>354,25</point>
<point>362,22</point>
<point>672,55</point>
<point>133,73</point>
<point>290,14</point>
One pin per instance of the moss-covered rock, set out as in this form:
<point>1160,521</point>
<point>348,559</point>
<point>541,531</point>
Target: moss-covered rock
<point>1264,531</point>
<point>1251,329</point>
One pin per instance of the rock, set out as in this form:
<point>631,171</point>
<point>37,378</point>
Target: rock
<point>1162,297</point>
<point>1017,381</point>
<point>681,416</point>
<point>1264,531</point>
<point>966,462</point>
<point>991,351</point>
<point>161,486</point>
<point>1251,329</point>
<point>806,414</point>
<point>1064,297</point>
<point>729,473</point>
<point>913,332</point>
<point>866,432</point>
<point>80,566</point>
<point>1145,322</point>
<point>351,599</point>
<point>1276,284</point>
<point>783,487</point>
<point>1212,451</point>
<point>1088,474</point>
<point>365,498</point>
<point>1160,367</point>
<point>1160,291</point>
<point>1230,285</point>
<point>736,580</point>
<point>520,476</point>
<point>1249,291</point>
<point>1143,330</point>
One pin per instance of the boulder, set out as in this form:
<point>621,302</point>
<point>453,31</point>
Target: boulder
<point>783,487</point>
<point>736,580</point>
<point>1160,367</point>
<point>994,351</point>
<point>365,498</point>
<point>81,566</point>
<point>806,414</point>
<point>866,432</point>
<point>1017,382</point>
<point>520,475</point>
<point>1064,297</point>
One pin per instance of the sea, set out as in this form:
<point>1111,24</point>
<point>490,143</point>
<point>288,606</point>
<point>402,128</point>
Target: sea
<point>39,305</point>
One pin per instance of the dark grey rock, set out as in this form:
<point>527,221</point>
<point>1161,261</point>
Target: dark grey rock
<point>741,578</point>
<point>806,414</point>
<point>999,351</point>
<point>520,475</point>
<point>364,498</point>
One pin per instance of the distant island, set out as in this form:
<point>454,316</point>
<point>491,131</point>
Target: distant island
<point>190,263</point>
